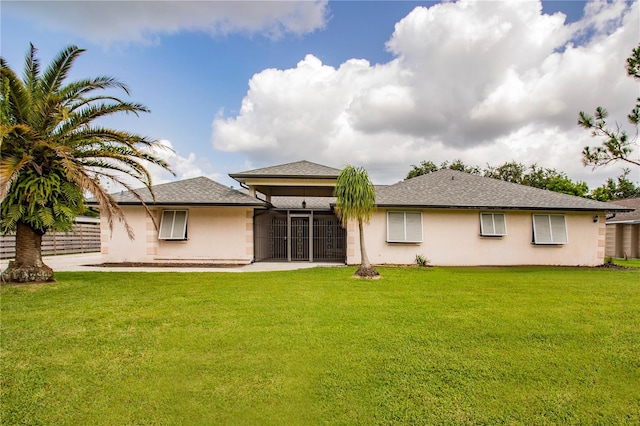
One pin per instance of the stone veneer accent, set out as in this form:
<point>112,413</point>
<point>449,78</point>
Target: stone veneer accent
<point>249,238</point>
<point>152,233</point>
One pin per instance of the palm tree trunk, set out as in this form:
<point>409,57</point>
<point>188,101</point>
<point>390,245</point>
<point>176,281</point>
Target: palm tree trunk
<point>365,269</point>
<point>364,259</point>
<point>28,265</point>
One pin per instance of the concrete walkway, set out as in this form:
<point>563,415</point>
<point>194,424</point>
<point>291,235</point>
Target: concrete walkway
<point>91,262</point>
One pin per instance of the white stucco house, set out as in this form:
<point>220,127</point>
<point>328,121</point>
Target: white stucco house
<point>286,213</point>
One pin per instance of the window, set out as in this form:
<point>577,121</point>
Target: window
<point>173,225</point>
<point>549,229</point>
<point>493,224</point>
<point>404,227</point>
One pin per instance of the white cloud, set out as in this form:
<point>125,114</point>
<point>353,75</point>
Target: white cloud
<point>143,21</point>
<point>184,167</point>
<point>483,81</point>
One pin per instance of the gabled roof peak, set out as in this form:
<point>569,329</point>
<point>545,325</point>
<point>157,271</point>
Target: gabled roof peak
<point>297,169</point>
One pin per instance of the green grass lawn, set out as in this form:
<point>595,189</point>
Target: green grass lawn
<point>420,346</point>
<point>629,263</point>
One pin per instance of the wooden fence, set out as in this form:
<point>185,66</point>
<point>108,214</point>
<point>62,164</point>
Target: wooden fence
<point>85,238</point>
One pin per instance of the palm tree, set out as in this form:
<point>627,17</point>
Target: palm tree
<point>356,199</point>
<point>53,153</point>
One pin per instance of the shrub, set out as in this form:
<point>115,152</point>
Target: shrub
<point>422,261</point>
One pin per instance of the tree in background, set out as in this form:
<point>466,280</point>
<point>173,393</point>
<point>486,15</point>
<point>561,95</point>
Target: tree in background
<point>424,168</point>
<point>617,189</point>
<point>553,180</point>
<point>356,200</point>
<point>617,145</point>
<point>511,171</point>
<point>52,153</point>
<point>460,166</point>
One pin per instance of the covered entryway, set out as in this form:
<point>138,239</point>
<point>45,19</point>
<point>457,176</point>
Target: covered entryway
<point>299,236</point>
<point>300,225</point>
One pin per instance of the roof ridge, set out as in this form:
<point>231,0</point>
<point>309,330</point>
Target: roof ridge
<point>199,190</point>
<point>294,168</point>
<point>496,181</point>
<point>164,184</point>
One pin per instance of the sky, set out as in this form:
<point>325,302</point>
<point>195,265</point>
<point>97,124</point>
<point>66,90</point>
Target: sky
<point>238,85</point>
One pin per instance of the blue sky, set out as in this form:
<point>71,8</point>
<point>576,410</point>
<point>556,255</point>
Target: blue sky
<point>239,85</point>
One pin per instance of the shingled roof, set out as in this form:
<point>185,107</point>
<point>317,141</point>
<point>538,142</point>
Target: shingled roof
<point>197,191</point>
<point>628,217</point>
<point>441,189</point>
<point>454,189</point>
<point>299,169</point>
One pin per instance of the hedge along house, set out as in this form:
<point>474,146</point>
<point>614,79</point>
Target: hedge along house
<point>285,213</point>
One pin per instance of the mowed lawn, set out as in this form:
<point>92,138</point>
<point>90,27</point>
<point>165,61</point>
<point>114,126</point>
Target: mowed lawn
<point>520,345</point>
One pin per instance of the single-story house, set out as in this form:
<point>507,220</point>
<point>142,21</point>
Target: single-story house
<point>286,213</point>
<point>623,230</point>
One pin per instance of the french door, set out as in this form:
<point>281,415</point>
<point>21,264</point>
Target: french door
<point>300,248</point>
<point>299,237</point>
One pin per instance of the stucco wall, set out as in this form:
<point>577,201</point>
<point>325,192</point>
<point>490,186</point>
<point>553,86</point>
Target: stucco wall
<point>452,238</point>
<point>214,234</point>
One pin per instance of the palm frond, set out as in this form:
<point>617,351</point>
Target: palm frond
<point>107,204</point>
<point>10,168</point>
<point>77,89</point>
<point>355,194</point>
<point>90,113</point>
<point>139,197</point>
<point>19,97</point>
<point>74,104</point>
<point>11,217</point>
<point>130,168</point>
<point>58,70</point>
<point>31,69</point>
<point>135,192</point>
<point>52,152</point>
<point>126,153</point>
<point>9,133</point>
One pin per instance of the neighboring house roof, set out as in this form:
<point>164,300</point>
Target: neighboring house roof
<point>299,169</point>
<point>86,219</point>
<point>197,191</point>
<point>627,217</point>
<point>454,189</point>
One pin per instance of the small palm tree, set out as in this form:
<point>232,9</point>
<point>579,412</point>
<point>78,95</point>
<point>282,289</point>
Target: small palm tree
<point>356,199</point>
<point>53,153</point>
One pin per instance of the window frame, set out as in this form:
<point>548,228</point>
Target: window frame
<point>493,221</point>
<point>537,240</point>
<point>404,219</point>
<point>171,237</point>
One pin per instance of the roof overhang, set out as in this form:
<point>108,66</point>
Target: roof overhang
<point>297,186</point>
<point>522,208</point>
<point>261,205</point>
